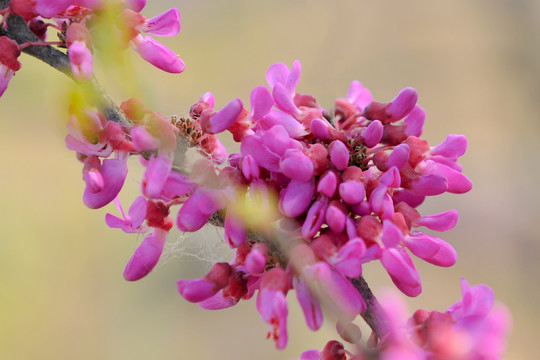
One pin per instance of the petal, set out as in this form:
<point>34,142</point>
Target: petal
<point>452,147</point>
<point>314,219</point>
<point>142,140</point>
<point>295,199</point>
<point>261,102</point>
<point>196,290</point>
<point>277,74</point>
<point>352,192</point>
<point>114,172</point>
<point>145,257</point>
<point>50,8</point>
<point>164,24</point>
<point>283,99</point>
<point>373,134</point>
<point>223,119</point>
<point>327,184</point>
<point>399,266</point>
<point>440,222</point>
<point>158,54</point>
<point>157,172</point>
<point>309,304</point>
<point>81,60</point>
<point>295,165</point>
<point>415,121</point>
<point>339,154</point>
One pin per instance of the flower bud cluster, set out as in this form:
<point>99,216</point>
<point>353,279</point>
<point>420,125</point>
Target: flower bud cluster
<point>345,185</point>
<point>77,20</point>
<point>324,193</point>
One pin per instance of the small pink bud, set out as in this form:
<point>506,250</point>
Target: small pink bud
<point>339,154</point>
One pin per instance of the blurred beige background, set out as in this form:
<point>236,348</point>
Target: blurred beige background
<point>476,66</point>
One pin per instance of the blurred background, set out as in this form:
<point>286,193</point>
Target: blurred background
<point>476,66</point>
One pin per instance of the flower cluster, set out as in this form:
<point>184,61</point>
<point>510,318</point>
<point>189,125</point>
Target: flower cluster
<point>346,183</point>
<point>76,21</point>
<point>472,328</point>
<point>341,189</point>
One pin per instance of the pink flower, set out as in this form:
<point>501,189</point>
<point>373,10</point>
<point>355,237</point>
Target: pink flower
<point>158,54</point>
<point>133,222</point>
<point>146,256</point>
<point>272,305</point>
<point>103,181</point>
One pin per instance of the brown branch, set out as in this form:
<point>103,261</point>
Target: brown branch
<point>18,30</point>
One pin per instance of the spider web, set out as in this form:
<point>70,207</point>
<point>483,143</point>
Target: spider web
<point>206,245</point>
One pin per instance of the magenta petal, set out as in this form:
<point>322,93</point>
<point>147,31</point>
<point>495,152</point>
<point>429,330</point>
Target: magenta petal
<point>224,118</point>
<point>476,304</point>
<point>235,230</point>
<point>94,180</point>
<point>176,185</point>
<point>373,134</point>
<point>50,8</point>
<point>457,182</point>
<point>402,104</point>
<point>320,129</point>
<point>327,184</point>
<point>196,290</point>
<point>278,141</point>
<point>429,185</point>
<point>413,200</point>
<point>218,302</point>
<point>114,172</point>
<point>452,147</point>
<point>352,192</point>
<point>441,222</point>
<point>191,217</point>
<point>391,178</point>
<point>157,172</point>
<point>276,117</point>
<point>277,74</point>
<point>164,24</point>
<point>399,266</point>
<point>359,95</point>
<point>415,121</point>
<point>422,245</point>
<point>339,154</point>
<point>261,102</point>
<point>445,257</point>
<point>376,198</point>
<point>309,304</point>
<point>81,60</point>
<point>158,55</point>
<point>252,145</point>
<point>337,289</point>
<point>349,258</point>
<point>135,5</point>
<point>142,140</point>
<point>336,217</point>
<point>399,156</point>
<point>391,234</point>
<point>314,219</point>
<point>293,77</point>
<point>145,257</point>
<point>250,169</point>
<point>5,76</point>
<point>283,99</point>
<point>295,165</point>
<point>137,211</point>
<point>295,199</point>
